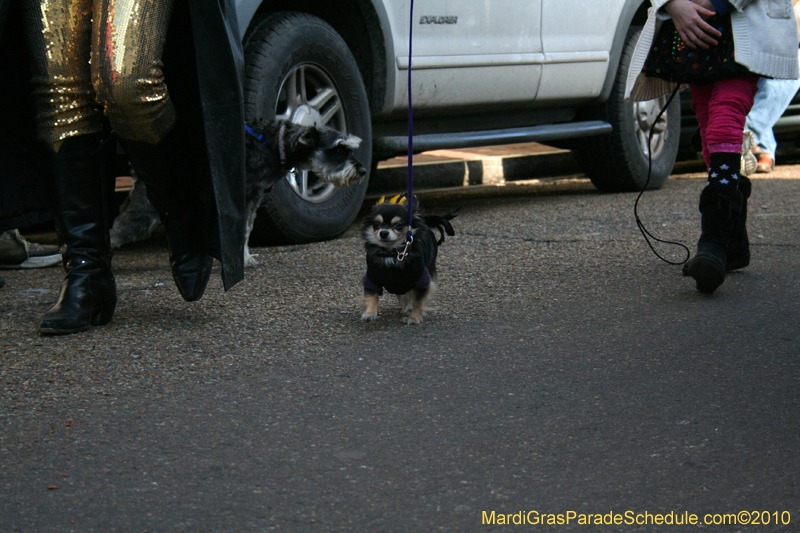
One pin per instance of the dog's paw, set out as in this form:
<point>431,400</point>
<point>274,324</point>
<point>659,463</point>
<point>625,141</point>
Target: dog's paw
<point>369,317</point>
<point>250,260</point>
<point>412,319</point>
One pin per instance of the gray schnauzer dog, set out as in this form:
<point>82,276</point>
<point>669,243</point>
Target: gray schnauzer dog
<point>273,148</point>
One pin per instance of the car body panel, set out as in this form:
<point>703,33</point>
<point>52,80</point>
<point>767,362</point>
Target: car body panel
<point>461,48</point>
<point>245,9</point>
<point>470,54</point>
<point>577,48</point>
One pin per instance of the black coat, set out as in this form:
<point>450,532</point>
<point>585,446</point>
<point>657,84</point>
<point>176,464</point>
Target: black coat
<point>25,164</point>
<point>203,67</point>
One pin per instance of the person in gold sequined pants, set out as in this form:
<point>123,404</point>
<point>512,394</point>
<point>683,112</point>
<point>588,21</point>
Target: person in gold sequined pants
<point>96,58</point>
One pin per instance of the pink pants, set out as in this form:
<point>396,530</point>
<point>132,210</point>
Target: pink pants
<point>721,108</point>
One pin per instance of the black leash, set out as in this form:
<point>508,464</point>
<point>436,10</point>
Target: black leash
<point>639,224</point>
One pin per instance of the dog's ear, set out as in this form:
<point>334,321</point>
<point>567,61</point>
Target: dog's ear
<point>350,141</point>
<point>309,137</point>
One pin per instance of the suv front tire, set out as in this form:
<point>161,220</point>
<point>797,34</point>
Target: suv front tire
<point>299,69</point>
<point>618,161</point>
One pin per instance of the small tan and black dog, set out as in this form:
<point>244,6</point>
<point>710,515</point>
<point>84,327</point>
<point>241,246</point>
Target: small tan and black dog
<point>408,272</point>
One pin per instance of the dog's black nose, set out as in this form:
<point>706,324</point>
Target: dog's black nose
<point>384,233</point>
<point>362,172</point>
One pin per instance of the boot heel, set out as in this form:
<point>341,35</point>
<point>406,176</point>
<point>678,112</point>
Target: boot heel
<point>103,313</point>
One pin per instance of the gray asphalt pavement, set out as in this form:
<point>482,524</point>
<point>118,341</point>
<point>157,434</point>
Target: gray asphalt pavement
<point>565,370</point>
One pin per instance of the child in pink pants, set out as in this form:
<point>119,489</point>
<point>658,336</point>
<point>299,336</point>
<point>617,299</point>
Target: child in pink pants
<point>720,48</point>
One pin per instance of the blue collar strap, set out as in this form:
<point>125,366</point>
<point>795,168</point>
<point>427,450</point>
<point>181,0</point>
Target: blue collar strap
<point>258,136</point>
<point>263,140</point>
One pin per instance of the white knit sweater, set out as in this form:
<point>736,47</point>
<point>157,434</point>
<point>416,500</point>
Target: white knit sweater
<point>765,40</point>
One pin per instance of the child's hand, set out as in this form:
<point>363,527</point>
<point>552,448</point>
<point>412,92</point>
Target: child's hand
<point>706,4</point>
<point>688,18</point>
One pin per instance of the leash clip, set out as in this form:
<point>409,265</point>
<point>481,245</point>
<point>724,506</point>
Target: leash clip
<point>402,255</point>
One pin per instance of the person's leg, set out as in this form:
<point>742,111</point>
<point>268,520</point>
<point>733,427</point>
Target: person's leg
<point>739,247</point>
<point>58,34</point>
<point>128,41</point>
<point>730,102</point>
<point>89,292</point>
<point>127,72</point>
<point>59,39</point>
<point>771,100</point>
<point>701,95</point>
<point>721,202</point>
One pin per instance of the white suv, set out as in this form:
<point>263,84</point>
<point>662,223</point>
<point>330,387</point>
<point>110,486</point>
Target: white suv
<point>484,72</point>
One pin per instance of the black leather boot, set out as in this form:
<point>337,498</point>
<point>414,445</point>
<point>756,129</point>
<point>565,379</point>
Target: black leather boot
<point>89,292</point>
<point>174,196</point>
<point>720,205</point>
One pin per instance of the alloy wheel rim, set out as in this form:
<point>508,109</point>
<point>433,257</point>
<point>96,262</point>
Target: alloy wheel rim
<point>645,114</point>
<point>308,96</point>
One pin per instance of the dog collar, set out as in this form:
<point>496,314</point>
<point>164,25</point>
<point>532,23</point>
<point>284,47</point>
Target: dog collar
<point>258,136</point>
<point>263,140</point>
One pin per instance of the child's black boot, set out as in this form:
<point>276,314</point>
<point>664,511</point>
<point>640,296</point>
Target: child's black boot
<point>720,206</point>
<point>739,248</point>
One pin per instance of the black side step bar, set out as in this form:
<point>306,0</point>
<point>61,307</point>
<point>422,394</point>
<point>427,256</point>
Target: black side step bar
<point>396,145</point>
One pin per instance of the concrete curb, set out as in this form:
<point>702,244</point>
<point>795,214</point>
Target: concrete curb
<point>487,166</point>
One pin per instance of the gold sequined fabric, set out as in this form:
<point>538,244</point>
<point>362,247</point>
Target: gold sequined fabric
<point>127,71</point>
<point>125,41</point>
<point>59,39</point>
